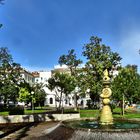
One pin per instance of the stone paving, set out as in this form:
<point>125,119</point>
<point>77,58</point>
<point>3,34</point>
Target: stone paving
<point>32,132</point>
<point>58,131</point>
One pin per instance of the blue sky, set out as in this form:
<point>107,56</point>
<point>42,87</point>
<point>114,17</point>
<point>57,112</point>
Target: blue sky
<point>37,32</point>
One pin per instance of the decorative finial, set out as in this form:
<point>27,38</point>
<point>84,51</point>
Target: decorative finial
<point>106,77</point>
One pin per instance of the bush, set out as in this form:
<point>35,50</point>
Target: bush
<point>2,108</point>
<point>112,106</point>
<point>89,104</point>
<point>19,110</point>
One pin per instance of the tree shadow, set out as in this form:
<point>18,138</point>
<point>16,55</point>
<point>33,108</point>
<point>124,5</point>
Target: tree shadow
<point>60,133</point>
<point>28,122</point>
<point>23,132</point>
<point>14,127</point>
<point>38,118</point>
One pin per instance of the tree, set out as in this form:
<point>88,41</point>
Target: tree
<point>9,77</point>
<point>126,86</point>
<point>5,57</point>
<point>99,57</point>
<point>62,84</point>
<point>40,94</point>
<point>24,95</point>
<point>72,62</point>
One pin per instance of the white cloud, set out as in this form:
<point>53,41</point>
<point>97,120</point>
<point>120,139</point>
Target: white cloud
<point>58,66</point>
<point>31,68</point>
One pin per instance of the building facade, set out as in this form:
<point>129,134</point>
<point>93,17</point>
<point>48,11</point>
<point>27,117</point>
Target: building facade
<point>52,97</point>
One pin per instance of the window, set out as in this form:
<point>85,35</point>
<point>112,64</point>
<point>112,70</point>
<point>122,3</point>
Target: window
<point>51,100</point>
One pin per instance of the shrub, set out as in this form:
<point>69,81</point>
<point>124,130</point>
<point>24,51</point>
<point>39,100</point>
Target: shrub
<point>89,104</point>
<point>18,110</point>
<point>2,108</point>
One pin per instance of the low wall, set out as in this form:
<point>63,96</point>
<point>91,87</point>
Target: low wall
<point>37,118</point>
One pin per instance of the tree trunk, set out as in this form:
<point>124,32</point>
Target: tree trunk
<point>75,102</point>
<point>122,105</point>
<point>60,100</point>
<point>5,103</point>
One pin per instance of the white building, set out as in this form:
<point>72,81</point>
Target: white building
<point>42,77</point>
<point>52,97</point>
<point>27,76</point>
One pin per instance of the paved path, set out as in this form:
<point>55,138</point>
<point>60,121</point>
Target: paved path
<point>34,132</point>
<point>44,131</point>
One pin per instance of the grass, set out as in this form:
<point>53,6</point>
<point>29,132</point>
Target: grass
<point>133,115</point>
<point>40,110</point>
<point>29,111</point>
<point>89,113</point>
<point>129,114</point>
<point>4,113</point>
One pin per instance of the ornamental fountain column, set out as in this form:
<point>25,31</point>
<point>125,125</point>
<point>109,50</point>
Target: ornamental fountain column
<point>106,114</point>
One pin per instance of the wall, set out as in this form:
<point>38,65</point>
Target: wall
<point>37,118</point>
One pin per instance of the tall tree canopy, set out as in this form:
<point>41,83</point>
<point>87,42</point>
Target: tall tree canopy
<point>72,63</point>
<point>63,84</point>
<point>9,77</point>
<point>99,57</point>
<point>39,94</point>
<point>127,83</point>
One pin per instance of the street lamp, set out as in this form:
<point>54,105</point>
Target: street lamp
<point>32,93</point>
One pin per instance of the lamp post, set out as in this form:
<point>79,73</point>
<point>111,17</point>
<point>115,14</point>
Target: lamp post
<point>32,93</point>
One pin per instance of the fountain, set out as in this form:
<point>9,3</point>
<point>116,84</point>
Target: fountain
<point>106,114</point>
<point>104,129</point>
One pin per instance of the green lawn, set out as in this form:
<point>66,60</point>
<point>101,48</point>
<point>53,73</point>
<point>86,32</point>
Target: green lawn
<point>27,112</point>
<point>89,113</point>
<point>30,111</point>
<point>116,114</point>
<point>4,113</point>
<point>130,114</point>
<point>39,110</point>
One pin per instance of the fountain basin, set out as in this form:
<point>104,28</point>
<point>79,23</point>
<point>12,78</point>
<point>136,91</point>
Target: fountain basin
<point>118,125</point>
<point>69,130</point>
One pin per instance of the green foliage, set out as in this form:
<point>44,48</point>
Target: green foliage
<point>89,104</point>
<point>39,94</point>
<point>9,77</point>
<point>128,83</point>
<point>24,95</point>
<point>99,57</point>
<point>89,113</point>
<point>16,111</point>
<point>71,61</point>
<point>62,84</point>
